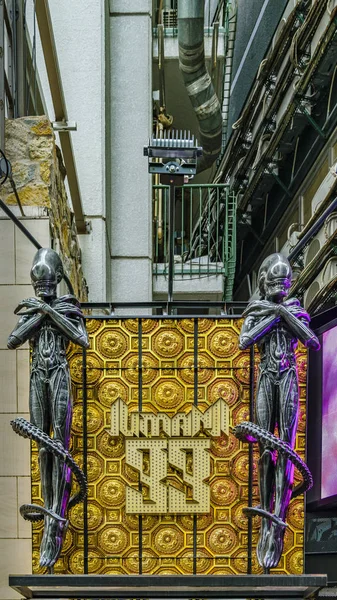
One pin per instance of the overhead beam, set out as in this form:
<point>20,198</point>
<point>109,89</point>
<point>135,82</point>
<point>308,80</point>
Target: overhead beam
<point>56,89</point>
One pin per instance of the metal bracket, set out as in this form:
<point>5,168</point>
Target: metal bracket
<point>278,180</point>
<point>64,126</point>
<point>311,120</point>
<point>88,226</point>
<point>174,155</point>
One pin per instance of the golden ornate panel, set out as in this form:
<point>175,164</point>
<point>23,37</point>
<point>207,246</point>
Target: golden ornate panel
<point>170,382</point>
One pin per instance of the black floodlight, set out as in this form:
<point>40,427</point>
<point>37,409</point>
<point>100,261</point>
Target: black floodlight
<point>173,155</point>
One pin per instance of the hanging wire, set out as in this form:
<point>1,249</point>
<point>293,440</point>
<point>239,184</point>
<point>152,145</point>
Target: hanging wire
<point>6,173</point>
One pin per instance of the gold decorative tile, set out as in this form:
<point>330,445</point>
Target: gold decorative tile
<point>168,379</point>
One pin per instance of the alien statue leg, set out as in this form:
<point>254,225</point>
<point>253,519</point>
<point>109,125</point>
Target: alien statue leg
<point>265,418</point>
<point>61,413</point>
<point>284,471</point>
<point>39,416</point>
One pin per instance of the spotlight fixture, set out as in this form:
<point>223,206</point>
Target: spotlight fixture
<point>175,154</point>
<point>174,158</point>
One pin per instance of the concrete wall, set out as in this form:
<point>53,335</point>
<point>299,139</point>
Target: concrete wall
<point>131,126</point>
<point>79,37</point>
<point>105,59</point>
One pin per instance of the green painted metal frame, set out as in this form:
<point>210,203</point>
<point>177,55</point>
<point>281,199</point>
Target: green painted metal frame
<point>205,209</point>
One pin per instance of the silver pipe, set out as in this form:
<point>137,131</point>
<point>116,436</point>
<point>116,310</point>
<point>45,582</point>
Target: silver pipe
<point>197,80</point>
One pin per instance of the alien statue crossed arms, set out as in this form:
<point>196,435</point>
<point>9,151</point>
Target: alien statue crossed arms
<point>50,323</point>
<point>276,325</point>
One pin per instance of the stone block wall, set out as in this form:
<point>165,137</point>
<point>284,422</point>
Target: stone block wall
<point>39,173</point>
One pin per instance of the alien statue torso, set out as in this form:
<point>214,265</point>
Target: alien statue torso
<point>49,345</point>
<point>277,349</point>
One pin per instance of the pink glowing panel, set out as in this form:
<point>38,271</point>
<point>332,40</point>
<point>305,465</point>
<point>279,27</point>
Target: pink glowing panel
<point>329,414</point>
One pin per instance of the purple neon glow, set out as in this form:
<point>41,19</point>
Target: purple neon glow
<point>329,415</point>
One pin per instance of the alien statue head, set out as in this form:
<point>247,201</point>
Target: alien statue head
<point>46,273</point>
<point>274,278</point>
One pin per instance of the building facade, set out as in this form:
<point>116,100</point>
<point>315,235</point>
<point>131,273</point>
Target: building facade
<point>91,84</point>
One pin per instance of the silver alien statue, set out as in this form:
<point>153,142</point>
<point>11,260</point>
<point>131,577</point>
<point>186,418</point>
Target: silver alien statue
<point>49,323</point>
<point>275,324</point>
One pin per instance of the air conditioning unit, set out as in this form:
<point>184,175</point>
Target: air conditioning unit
<point>324,189</point>
<point>326,231</point>
<point>292,239</point>
<point>169,18</point>
<point>327,276</point>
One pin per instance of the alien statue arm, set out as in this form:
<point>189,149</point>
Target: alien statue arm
<point>259,319</point>
<point>262,315</point>
<point>25,328</point>
<point>66,314</point>
<point>297,320</point>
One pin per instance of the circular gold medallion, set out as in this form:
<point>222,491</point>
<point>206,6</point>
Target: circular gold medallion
<point>112,343</point>
<point>110,390</point>
<point>222,540</point>
<point>111,492</point>
<point>226,389</point>
<point>205,368</point>
<point>168,343</point>
<point>224,491</point>
<point>224,445</point>
<point>110,447</point>
<point>224,343</point>
<point>168,394</point>
<point>168,540</point>
<point>94,368</point>
<point>113,540</point>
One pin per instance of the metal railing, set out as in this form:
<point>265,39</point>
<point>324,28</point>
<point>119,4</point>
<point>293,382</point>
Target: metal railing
<point>213,208</point>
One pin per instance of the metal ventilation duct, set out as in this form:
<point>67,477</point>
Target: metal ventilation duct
<point>197,80</point>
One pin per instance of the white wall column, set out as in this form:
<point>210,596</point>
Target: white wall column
<point>78,27</point>
<point>130,41</point>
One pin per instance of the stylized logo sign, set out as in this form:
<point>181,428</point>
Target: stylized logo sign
<point>171,455</point>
